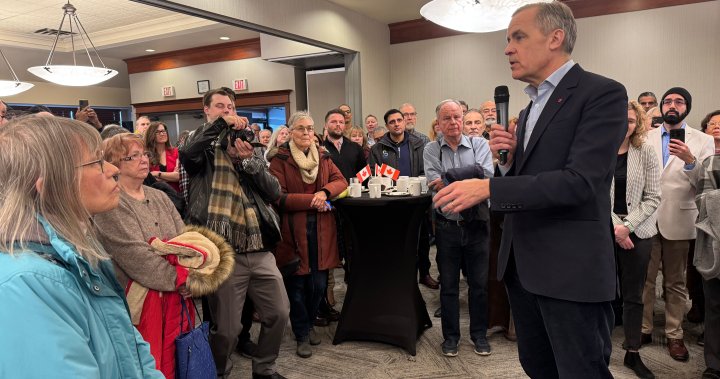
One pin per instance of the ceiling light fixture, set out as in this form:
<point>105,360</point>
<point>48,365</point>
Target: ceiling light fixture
<point>12,87</point>
<point>473,16</point>
<point>224,38</point>
<point>150,50</point>
<point>74,75</point>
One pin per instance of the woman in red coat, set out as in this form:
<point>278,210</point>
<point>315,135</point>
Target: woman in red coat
<point>308,179</point>
<point>164,164</point>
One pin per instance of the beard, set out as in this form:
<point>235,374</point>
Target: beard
<point>490,121</point>
<point>673,117</point>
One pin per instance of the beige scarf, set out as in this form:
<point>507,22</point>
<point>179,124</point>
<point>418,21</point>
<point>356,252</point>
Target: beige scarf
<point>308,163</point>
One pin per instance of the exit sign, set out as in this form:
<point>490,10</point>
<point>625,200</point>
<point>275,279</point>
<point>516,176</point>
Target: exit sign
<point>168,91</point>
<point>240,84</point>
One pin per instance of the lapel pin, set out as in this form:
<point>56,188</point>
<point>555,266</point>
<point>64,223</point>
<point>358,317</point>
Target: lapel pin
<point>559,100</point>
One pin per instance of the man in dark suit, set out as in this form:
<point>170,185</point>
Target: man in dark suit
<point>347,155</point>
<point>556,255</point>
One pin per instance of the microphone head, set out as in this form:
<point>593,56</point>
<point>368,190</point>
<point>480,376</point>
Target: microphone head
<point>502,94</point>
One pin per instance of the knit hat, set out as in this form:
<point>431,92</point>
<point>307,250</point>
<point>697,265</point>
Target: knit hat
<point>682,92</point>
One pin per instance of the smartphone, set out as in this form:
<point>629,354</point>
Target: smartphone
<point>82,104</point>
<point>678,134</point>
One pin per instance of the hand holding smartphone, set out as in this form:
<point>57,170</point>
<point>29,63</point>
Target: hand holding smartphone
<point>678,134</point>
<point>83,103</point>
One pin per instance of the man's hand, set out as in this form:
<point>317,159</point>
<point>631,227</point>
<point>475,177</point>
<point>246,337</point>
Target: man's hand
<point>503,140</point>
<point>89,116</point>
<point>244,150</point>
<point>437,184</point>
<point>681,150</point>
<point>462,195</point>
<point>235,121</point>
<point>318,201</point>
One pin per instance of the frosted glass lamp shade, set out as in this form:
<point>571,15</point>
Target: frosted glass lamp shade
<point>76,76</point>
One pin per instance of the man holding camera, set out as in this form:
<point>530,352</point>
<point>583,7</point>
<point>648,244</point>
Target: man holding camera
<point>230,189</point>
<point>681,150</point>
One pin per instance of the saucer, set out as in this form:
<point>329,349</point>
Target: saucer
<point>397,194</point>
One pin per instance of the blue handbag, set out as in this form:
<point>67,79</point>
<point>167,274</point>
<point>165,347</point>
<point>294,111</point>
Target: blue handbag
<point>193,357</point>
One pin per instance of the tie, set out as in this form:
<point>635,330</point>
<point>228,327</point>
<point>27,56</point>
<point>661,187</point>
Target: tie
<point>337,145</point>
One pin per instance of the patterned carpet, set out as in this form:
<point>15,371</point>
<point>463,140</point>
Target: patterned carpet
<point>379,361</point>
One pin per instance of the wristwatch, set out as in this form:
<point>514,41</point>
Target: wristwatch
<point>628,225</point>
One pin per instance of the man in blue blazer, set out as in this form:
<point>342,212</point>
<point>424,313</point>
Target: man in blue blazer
<point>556,256</point>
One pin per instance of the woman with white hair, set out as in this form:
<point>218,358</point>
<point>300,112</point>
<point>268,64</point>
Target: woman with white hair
<point>57,286</point>
<point>308,179</point>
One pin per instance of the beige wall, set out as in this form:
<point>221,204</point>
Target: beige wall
<point>648,50</point>
<point>261,76</point>
<point>322,21</point>
<point>326,90</point>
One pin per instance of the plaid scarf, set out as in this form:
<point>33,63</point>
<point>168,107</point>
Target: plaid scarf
<point>230,213</point>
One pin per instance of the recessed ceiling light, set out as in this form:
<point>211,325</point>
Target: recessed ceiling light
<point>150,50</point>
<point>224,38</point>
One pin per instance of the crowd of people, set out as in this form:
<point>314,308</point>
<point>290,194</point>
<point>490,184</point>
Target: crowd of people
<point>106,235</point>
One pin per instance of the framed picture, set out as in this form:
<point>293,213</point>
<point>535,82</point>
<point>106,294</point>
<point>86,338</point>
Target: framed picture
<point>203,86</point>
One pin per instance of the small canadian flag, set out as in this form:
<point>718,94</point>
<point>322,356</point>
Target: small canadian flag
<point>377,170</point>
<point>389,172</point>
<point>364,173</point>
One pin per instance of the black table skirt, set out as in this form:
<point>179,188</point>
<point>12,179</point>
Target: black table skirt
<point>383,302</point>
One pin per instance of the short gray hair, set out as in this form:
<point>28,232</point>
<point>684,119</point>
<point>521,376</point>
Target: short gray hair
<point>297,116</point>
<point>437,109</point>
<point>552,16</point>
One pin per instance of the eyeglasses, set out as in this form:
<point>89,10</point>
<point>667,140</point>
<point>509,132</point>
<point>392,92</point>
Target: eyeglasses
<point>678,102</point>
<point>648,103</point>
<point>713,123</point>
<point>137,156</point>
<point>308,130</point>
<point>408,114</point>
<point>489,110</point>
<point>161,132</point>
<point>100,161</point>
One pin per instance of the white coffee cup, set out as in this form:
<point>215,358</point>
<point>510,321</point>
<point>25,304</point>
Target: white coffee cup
<point>402,184</point>
<point>353,180</point>
<point>375,189</point>
<point>355,190</point>
<point>423,183</point>
<point>414,188</point>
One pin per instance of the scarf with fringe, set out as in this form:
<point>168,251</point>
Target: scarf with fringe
<point>230,213</point>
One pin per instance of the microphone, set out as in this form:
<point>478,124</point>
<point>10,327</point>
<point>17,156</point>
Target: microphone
<point>502,98</point>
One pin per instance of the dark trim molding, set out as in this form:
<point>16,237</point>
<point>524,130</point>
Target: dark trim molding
<point>281,97</point>
<point>230,51</point>
<point>421,29</point>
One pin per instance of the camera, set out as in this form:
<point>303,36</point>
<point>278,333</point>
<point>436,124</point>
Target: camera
<point>245,135</point>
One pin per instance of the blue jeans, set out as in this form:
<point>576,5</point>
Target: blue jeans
<point>468,242</point>
<point>305,293</point>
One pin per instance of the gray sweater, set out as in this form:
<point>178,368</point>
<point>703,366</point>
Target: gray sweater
<point>126,230</point>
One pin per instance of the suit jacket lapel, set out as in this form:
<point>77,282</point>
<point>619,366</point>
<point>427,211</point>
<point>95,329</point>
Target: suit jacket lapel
<point>520,132</point>
<point>555,102</point>
<point>633,161</point>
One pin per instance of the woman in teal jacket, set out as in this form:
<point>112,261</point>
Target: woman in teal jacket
<point>62,312</point>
